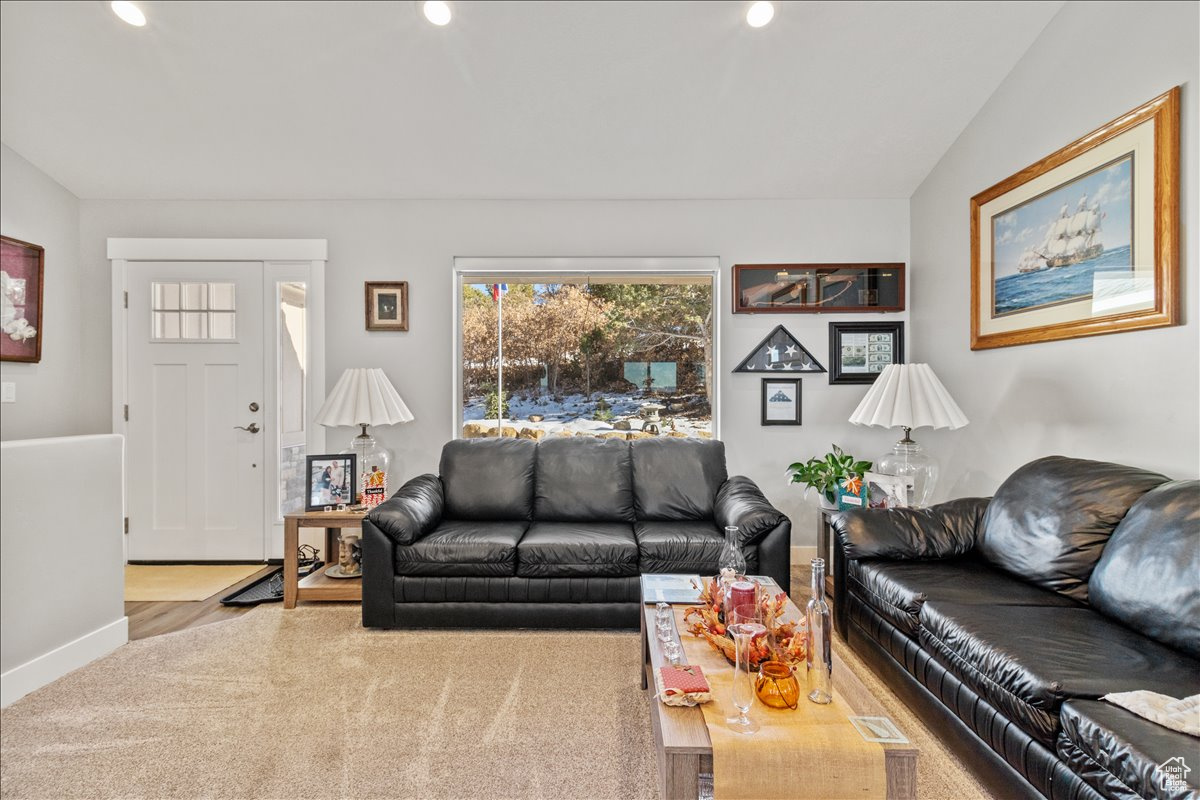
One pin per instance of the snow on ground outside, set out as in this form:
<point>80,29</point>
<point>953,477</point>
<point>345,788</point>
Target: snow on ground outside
<point>574,413</point>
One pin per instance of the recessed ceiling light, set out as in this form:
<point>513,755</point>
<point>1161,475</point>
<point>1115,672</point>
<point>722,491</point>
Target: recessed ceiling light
<point>437,12</point>
<point>129,12</point>
<point>760,14</point>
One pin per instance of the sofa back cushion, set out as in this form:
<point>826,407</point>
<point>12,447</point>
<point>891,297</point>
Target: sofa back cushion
<point>488,479</point>
<point>1149,575</point>
<point>1049,522</point>
<point>582,479</point>
<point>676,479</point>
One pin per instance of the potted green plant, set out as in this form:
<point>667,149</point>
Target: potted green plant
<point>823,473</point>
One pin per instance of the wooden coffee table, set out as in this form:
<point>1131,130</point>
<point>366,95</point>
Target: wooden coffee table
<point>685,750</point>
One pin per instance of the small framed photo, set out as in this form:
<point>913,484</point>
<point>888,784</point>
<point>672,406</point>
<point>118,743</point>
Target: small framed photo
<point>888,491</point>
<point>21,267</point>
<point>387,306</point>
<point>331,481</point>
<point>780,401</point>
<point>859,351</point>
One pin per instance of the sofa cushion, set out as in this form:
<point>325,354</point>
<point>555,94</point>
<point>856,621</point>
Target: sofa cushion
<point>463,547</point>
<point>679,546</point>
<point>676,479</point>
<point>577,549</point>
<point>513,589</point>
<point>1048,523</point>
<point>1121,755</point>
<point>1026,660</point>
<point>582,478</point>
<point>1149,575</point>
<point>898,589</point>
<point>488,479</point>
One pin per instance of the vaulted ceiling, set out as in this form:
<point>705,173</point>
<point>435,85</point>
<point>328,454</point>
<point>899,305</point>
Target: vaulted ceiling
<point>297,100</point>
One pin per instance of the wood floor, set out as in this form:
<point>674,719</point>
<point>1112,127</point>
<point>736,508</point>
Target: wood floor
<point>155,618</point>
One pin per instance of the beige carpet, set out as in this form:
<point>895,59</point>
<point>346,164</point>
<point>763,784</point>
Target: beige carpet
<point>183,582</point>
<point>307,704</point>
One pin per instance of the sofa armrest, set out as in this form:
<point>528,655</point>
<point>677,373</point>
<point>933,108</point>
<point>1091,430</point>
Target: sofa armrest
<point>941,531</point>
<point>740,502</point>
<point>413,511</point>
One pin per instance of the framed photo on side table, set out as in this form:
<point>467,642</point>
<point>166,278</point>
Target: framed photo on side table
<point>888,491</point>
<point>331,481</point>
<point>780,401</point>
<point>858,351</point>
<point>387,305</point>
<point>21,268</point>
<point>1085,241</point>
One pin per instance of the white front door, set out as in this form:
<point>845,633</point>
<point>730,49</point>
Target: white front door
<point>196,411</point>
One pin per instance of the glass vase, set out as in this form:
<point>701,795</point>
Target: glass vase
<point>819,650</point>
<point>777,685</point>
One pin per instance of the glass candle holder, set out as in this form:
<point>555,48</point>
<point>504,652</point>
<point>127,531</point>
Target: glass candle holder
<point>777,685</point>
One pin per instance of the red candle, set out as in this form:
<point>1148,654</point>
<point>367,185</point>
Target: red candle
<point>742,593</point>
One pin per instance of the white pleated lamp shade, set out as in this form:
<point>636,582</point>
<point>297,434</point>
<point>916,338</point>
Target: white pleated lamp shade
<point>363,397</point>
<point>908,396</point>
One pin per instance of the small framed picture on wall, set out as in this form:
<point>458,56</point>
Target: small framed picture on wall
<point>387,306</point>
<point>780,401</point>
<point>858,351</point>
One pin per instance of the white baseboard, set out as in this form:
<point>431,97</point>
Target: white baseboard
<point>34,674</point>
<point>803,554</point>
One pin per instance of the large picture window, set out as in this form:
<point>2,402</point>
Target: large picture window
<point>618,355</point>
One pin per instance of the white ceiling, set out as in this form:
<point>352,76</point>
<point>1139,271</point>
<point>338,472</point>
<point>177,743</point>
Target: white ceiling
<point>270,100</point>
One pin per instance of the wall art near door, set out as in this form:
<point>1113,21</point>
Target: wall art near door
<point>817,288</point>
<point>331,481</point>
<point>387,306</point>
<point>21,267</point>
<point>1085,241</point>
<point>779,352</point>
<point>858,351</point>
<point>780,401</point>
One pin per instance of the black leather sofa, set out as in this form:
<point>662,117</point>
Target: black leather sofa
<point>1004,620</point>
<point>555,534</point>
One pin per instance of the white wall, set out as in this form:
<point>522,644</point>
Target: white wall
<point>1127,397</point>
<point>417,241</point>
<point>35,209</point>
<point>62,579</point>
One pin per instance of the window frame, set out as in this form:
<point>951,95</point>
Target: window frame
<point>468,270</point>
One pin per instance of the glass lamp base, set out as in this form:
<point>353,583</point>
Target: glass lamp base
<point>374,464</point>
<point>908,460</point>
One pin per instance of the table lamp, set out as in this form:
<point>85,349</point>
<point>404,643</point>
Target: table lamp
<point>909,396</point>
<point>366,397</point>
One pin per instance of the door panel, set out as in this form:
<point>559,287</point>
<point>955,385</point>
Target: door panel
<point>195,338</point>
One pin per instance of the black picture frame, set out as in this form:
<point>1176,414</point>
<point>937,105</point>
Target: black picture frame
<point>345,493</point>
<point>841,372</point>
<point>771,389</point>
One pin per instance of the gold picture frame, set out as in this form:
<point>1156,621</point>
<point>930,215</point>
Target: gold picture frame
<point>1045,266</point>
<point>387,305</point>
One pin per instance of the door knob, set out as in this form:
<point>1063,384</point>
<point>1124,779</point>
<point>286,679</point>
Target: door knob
<point>251,428</point>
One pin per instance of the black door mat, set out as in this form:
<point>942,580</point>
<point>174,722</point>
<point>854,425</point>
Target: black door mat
<point>267,589</point>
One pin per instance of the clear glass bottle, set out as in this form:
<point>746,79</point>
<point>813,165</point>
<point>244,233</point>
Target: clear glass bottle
<point>819,648</point>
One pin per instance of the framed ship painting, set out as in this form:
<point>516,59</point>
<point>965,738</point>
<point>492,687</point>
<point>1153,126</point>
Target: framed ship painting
<point>817,288</point>
<point>1085,241</point>
<point>21,267</point>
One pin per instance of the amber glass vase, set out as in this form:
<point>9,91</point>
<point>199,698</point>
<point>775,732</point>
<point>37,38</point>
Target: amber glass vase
<point>777,685</point>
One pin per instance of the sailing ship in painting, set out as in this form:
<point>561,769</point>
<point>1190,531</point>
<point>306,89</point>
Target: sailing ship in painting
<point>1071,237</point>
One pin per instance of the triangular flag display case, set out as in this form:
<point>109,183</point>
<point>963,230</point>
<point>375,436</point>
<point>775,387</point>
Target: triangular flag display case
<point>780,352</point>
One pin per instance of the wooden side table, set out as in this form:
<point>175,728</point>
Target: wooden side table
<point>317,586</point>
